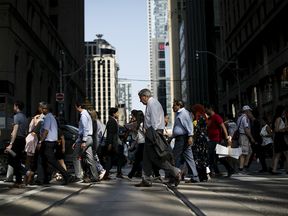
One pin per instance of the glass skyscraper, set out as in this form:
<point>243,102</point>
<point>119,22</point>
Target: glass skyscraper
<point>157,24</point>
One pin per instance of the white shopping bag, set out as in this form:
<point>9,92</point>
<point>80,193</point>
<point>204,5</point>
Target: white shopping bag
<point>223,151</point>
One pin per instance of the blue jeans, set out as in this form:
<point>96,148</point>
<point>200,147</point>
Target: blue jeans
<point>213,158</point>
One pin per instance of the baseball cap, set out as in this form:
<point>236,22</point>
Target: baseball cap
<point>246,107</point>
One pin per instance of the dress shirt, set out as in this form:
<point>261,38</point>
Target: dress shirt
<point>51,126</point>
<point>183,123</point>
<point>85,126</point>
<point>154,115</point>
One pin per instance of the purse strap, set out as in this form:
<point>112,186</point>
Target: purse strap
<point>103,135</point>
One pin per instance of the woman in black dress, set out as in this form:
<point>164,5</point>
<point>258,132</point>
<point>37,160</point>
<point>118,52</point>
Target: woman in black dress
<point>280,127</point>
<point>200,145</point>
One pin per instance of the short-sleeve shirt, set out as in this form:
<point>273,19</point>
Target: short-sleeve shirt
<point>242,123</point>
<point>232,127</point>
<point>20,120</point>
<point>214,130</point>
<point>50,124</point>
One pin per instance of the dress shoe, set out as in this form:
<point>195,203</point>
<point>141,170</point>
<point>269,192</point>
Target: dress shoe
<point>142,184</point>
<point>178,178</point>
<point>77,179</point>
<point>102,174</point>
<point>156,177</point>
<point>276,173</point>
<point>119,175</point>
<point>29,177</point>
<point>262,170</point>
<point>68,180</point>
<point>230,173</point>
<point>86,179</point>
<point>108,178</point>
<point>165,181</point>
<point>16,186</point>
<point>127,177</point>
<point>191,181</point>
<point>219,174</point>
<point>36,183</point>
<point>137,175</point>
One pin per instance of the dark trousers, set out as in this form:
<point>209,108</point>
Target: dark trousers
<point>262,152</point>
<point>181,148</point>
<point>255,150</point>
<point>115,154</point>
<point>15,162</point>
<point>47,155</point>
<point>138,160</point>
<point>213,158</point>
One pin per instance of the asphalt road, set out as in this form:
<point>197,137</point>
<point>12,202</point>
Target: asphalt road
<point>239,195</point>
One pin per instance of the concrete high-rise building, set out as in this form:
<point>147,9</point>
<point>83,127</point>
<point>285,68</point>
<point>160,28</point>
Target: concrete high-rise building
<point>101,76</point>
<point>125,97</point>
<point>157,30</point>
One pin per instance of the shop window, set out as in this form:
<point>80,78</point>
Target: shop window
<point>267,92</point>
<point>284,82</point>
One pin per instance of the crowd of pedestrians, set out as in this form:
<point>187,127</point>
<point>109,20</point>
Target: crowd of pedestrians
<point>189,150</point>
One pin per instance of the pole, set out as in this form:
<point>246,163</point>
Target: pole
<point>65,87</point>
<point>238,82</point>
<point>227,91</point>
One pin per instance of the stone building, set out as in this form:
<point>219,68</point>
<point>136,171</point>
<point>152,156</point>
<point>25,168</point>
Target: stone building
<point>35,36</point>
<point>256,35</point>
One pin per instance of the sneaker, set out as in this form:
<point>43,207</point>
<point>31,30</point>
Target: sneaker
<point>247,171</point>
<point>102,174</point>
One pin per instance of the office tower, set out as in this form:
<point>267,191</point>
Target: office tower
<point>157,29</point>
<point>125,98</point>
<point>101,76</point>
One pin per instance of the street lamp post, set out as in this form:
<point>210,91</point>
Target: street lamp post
<point>237,74</point>
<point>63,75</point>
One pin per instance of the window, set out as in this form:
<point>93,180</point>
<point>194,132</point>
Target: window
<point>267,91</point>
<point>161,54</point>
<point>284,82</point>
<point>161,64</point>
<point>162,73</point>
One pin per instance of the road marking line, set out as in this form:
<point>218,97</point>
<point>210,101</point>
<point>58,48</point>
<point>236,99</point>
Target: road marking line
<point>10,198</point>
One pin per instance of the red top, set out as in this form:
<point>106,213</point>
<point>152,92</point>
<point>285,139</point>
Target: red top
<point>214,130</point>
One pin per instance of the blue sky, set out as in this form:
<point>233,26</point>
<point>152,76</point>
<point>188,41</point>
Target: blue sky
<point>124,25</point>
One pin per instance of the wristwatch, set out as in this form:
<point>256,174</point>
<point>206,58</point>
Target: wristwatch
<point>39,142</point>
<point>11,143</point>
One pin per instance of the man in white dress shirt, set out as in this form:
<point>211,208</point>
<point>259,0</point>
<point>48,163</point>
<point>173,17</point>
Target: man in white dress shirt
<point>154,117</point>
<point>83,144</point>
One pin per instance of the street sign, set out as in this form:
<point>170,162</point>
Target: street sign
<point>61,106</point>
<point>59,97</point>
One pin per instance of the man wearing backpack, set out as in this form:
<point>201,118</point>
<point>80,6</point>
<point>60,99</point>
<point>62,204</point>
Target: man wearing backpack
<point>243,125</point>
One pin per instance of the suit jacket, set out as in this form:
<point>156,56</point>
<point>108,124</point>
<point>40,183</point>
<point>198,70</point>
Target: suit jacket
<point>159,142</point>
<point>112,133</point>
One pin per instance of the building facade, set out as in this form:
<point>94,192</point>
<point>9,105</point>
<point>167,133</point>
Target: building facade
<point>101,76</point>
<point>253,34</point>
<point>35,36</point>
<point>157,30</point>
<point>125,98</point>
